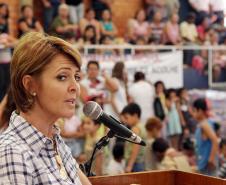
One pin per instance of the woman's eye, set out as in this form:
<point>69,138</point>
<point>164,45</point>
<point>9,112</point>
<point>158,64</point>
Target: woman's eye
<point>61,77</point>
<point>77,77</point>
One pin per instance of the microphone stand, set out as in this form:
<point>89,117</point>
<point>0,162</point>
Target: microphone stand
<point>86,167</point>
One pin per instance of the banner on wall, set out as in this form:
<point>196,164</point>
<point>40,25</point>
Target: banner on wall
<point>164,66</point>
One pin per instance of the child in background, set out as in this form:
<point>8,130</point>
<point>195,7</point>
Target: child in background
<point>174,127</point>
<point>169,158</point>
<point>153,128</point>
<point>188,149</point>
<point>93,132</point>
<point>134,154</point>
<point>117,163</point>
<point>186,110</point>
<point>206,139</point>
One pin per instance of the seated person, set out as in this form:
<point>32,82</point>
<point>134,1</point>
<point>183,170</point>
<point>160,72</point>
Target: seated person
<point>202,29</point>
<point>88,38</point>
<point>4,10</point>
<point>169,158</point>
<point>107,26</point>
<point>27,22</point>
<point>3,25</point>
<point>7,42</point>
<point>107,40</point>
<point>138,27</point>
<point>157,29</point>
<point>4,18</point>
<point>172,31</point>
<point>61,24</point>
<point>188,29</point>
<point>89,19</point>
<point>141,41</point>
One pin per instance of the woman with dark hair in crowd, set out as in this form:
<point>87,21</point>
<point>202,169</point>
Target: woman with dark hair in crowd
<point>160,109</point>
<point>4,10</point>
<point>202,29</point>
<point>89,35</point>
<point>27,22</point>
<point>4,15</point>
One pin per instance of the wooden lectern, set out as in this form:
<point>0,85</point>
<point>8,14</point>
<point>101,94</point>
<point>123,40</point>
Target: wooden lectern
<point>172,177</point>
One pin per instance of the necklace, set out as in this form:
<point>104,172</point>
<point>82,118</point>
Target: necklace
<point>59,162</point>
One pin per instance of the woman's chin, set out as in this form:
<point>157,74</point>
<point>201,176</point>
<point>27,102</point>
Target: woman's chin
<point>68,114</point>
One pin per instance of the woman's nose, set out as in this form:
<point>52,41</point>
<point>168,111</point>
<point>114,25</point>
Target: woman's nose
<point>74,86</point>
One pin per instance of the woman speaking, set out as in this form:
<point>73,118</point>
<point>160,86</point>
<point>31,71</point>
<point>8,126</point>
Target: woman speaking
<point>44,82</point>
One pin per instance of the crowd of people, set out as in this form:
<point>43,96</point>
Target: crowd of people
<point>180,133</point>
<point>160,22</point>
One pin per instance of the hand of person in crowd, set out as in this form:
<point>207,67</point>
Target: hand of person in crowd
<point>213,18</point>
<point>128,169</point>
<point>71,27</point>
<point>211,165</point>
<point>104,73</point>
<point>7,40</point>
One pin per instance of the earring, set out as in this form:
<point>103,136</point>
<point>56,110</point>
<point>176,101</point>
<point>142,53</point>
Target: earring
<point>34,94</point>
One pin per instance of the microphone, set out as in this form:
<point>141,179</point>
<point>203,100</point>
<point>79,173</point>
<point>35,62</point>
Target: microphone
<point>94,111</point>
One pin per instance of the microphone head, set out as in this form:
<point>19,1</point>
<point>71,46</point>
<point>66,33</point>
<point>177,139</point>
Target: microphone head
<point>142,143</point>
<point>92,109</point>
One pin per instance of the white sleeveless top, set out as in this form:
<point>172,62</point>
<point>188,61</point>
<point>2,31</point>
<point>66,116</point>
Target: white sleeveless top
<point>120,99</point>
